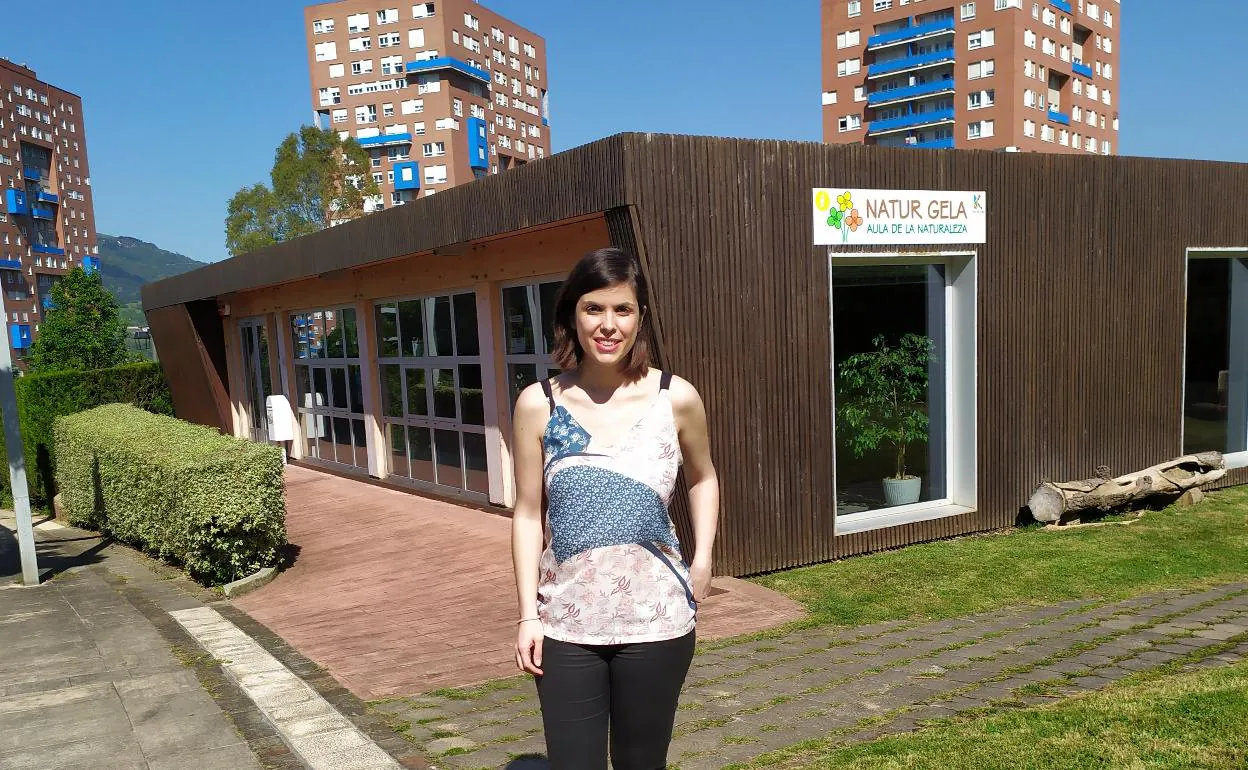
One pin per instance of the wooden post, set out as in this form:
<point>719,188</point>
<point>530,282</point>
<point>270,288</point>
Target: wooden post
<point>494,395</point>
<point>370,378</point>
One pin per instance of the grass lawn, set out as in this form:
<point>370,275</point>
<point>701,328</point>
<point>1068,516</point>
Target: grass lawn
<point>1177,547</point>
<point>1176,722</point>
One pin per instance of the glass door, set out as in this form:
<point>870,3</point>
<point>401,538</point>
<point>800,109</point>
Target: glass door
<point>257,377</point>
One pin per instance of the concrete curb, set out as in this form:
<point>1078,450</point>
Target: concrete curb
<point>250,583</point>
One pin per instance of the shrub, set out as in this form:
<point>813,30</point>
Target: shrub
<point>184,492</point>
<point>41,398</point>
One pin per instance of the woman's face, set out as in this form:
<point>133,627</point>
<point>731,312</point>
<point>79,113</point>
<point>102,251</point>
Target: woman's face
<point>607,322</point>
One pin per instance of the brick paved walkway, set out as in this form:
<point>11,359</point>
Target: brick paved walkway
<point>397,594</point>
<point>745,699</point>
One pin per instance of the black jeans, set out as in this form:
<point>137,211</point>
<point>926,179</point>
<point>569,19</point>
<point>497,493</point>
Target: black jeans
<point>632,688</point>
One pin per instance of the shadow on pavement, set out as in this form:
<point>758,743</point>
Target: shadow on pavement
<point>529,762</point>
<point>55,554</point>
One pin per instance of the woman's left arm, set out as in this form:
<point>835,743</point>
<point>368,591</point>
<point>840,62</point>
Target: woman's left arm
<point>695,446</point>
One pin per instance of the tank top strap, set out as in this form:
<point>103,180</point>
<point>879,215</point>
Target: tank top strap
<point>665,381</point>
<point>550,396</point>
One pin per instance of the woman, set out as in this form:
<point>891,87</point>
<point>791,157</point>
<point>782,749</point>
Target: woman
<point>607,609</point>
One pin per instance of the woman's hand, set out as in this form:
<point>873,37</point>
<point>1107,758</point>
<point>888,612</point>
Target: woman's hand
<point>700,579</point>
<point>529,647</point>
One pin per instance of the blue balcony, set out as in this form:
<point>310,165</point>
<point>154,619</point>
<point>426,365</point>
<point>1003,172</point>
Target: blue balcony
<point>913,120</point>
<point>478,144</point>
<point>42,212</point>
<point>935,144</point>
<point>19,335</point>
<point>39,248</point>
<point>1058,116</point>
<point>445,63</point>
<point>47,197</point>
<point>32,173</point>
<point>90,264</point>
<point>385,140</point>
<point>877,98</point>
<point>910,62</point>
<point>10,264</point>
<point>1062,5</point>
<point>15,202</point>
<point>931,29</point>
<point>407,176</point>
<point>1080,68</point>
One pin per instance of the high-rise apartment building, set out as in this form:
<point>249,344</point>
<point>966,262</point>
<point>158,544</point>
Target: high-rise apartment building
<point>439,93</point>
<point>47,224</point>
<point>1028,75</point>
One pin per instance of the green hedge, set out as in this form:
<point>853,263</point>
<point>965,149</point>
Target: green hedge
<point>209,502</point>
<point>41,398</point>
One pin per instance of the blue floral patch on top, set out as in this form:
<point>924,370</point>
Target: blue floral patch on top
<point>564,436</point>
<point>591,507</point>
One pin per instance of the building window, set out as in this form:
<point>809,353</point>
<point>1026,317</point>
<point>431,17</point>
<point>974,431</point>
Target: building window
<point>922,357</point>
<point>1215,387</point>
<point>968,11</point>
<point>528,320</point>
<point>848,67</point>
<point>980,69</point>
<point>982,39</point>
<point>388,16</point>
<point>849,123</point>
<point>849,39</point>
<point>1029,128</point>
<point>326,51</point>
<point>883,5</point>
<point>855,8</point>
<point>432,391</point>
<point>329,392</point>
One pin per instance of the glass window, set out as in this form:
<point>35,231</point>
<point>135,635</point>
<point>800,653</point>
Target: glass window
<point>528,355</point>
<point>890,375</point>
<point>1215,388</point>
<point>329,387</point>
<point>433,394</point>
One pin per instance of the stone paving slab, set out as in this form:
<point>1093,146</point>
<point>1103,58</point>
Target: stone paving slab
<point>743,700</point>
<point>87,680</point>
<point>95,672</point>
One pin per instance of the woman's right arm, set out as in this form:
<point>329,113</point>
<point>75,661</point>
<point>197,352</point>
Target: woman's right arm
<point>532,413</point>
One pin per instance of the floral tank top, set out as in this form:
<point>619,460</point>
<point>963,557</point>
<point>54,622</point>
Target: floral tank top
<point>612,572</point>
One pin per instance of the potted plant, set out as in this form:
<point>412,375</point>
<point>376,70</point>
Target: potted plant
<point>882,400</point>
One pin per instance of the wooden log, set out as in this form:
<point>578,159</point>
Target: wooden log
<point>1054,499</point>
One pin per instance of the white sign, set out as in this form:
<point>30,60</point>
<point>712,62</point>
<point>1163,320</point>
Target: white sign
<point>898,217</point>
<point>281,419</point>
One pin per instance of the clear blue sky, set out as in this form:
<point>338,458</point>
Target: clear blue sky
<point>185,102</point>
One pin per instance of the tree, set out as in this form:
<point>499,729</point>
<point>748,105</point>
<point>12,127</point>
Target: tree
<point>81,329</point>
<point>318,179</point>
<point>884,394</point>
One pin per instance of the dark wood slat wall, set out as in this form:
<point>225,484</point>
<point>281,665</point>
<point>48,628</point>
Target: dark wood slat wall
<point>1080,318</point>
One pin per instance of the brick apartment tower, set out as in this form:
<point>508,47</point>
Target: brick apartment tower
<point>1026,75</point>
<point>439,93</point>
<point>47,224</point>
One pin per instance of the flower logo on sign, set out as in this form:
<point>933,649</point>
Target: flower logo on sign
<point>845,217</point>
<point>841,214</point>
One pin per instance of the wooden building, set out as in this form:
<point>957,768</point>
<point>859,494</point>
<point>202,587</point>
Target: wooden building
<point>1102,321</point>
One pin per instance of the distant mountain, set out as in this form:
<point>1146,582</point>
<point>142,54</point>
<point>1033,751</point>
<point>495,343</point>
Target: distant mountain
<point>127,263</point>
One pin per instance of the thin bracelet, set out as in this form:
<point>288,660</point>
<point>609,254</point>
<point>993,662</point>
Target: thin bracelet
<point>525,620</point>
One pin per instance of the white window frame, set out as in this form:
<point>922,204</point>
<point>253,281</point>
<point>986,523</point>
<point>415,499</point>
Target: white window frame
<point>855,8</point>
<point>966,11</point>
<point>961,408</point>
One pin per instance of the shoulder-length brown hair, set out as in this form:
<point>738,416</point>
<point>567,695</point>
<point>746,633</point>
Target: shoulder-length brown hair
<point>598,270</point>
